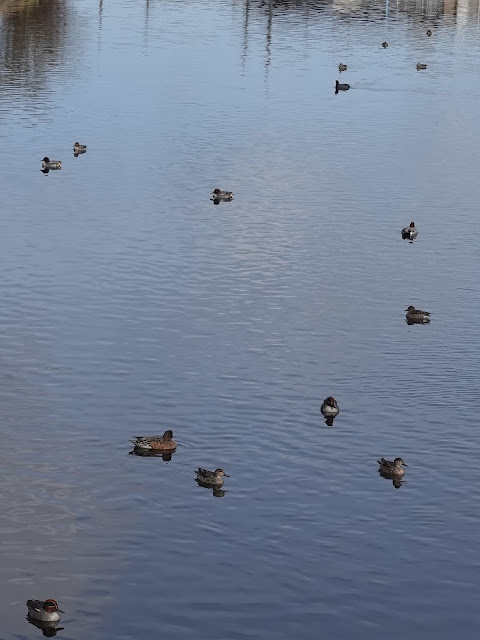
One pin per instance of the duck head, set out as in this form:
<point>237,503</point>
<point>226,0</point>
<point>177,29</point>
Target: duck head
<point>411,309</point>
<point>46,159</point>
<point>168,435</point>
<point>412,225</point>
<point>50,606</point>
<point>330,401</point>
<point>398,462</point>
<point>221,472</point>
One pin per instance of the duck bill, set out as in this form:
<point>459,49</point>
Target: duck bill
<point>404,465</point>
<point>226,475</point>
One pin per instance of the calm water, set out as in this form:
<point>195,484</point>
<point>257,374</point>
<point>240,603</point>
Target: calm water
<point>130,304</point>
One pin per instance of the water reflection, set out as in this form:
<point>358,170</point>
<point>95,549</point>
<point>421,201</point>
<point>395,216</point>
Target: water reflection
<point>396,480</point>
<point>219,200</point>
<point>32,41</point>
<point>216,491</point>
<point>49,629</point>
<point>152,453</point>
<point>275,12</point>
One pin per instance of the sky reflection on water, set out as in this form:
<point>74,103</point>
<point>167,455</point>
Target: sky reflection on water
<point>130,304</point>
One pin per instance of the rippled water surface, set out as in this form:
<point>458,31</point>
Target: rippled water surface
<point>130,303</point>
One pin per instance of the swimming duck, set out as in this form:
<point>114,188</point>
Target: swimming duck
<point>417,315</point>
<point>51,164</point>
<point>211,478</point>
<point>429,32</point>
<point>409,233</point>
<point>44,610</point>
<point>384,45</point>
<point>392,468</point>
<point>79,148</point>
<point>218,194</point>
<point>342,67</point>
<point>159,443</point>
<point>421,66</point>
<point>341,87</point>
<point>329,407</point>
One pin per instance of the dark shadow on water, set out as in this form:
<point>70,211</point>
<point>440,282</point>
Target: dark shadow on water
<point>217,492</point>
<point>149,453</point>
<point>219,200</point>
<point>329,420</point>
<point>49,629</point>
<point>397,481</point>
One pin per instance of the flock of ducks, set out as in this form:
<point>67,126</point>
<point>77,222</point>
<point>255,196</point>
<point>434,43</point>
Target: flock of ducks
<point>55,165</point>
<point>166,445</point>
<point>343,67</point>
<point>392,470</point>
<point>45,613</point>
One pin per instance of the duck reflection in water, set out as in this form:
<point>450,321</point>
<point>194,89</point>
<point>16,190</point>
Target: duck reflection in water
<point>218,493</point>
<point>166,456</point>
<point>219,200</point>
<point>49,629</point>
<point>329,420</point>
<point>396,480</point>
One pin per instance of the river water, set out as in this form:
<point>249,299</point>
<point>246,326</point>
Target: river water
<point>130,303</point>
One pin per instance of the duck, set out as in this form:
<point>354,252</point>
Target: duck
<point>159,443</point>
<point>429,32</point>
<point>330,407</point>
<point>211,478</point>
<point>385,44</point>
<point>394,468</point>
<point>417,315</point>
<point>342,67</point>
<point>79,148</point>
<point>341,86</point>
<point>218,194</point>
<point>410,232</point>
<point>421,66</point>
<point>51,164</point>
<point>44,610</point>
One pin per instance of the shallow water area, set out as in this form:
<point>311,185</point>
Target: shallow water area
<point>131,304</point>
